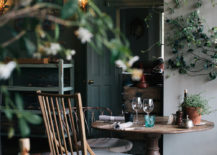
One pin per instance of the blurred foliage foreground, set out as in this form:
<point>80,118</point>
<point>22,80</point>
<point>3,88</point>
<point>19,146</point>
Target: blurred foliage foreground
<point>34,27</point>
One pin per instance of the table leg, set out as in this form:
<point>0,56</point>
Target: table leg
<point>152,144</point>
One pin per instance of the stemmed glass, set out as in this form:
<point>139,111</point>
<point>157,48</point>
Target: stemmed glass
<point>148,106</point>
<point>136,105</point>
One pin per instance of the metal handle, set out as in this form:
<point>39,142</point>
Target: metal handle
<point>90,82</point>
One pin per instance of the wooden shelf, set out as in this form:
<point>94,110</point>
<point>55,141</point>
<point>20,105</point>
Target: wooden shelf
<point>47,89</point>
<point>44,65</point>
<point>60,88</point>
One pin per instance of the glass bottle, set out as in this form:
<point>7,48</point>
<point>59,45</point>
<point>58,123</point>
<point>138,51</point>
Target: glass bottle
<point>183,107</point>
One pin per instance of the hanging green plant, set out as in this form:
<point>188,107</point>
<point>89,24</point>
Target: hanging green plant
<point>194,50</point>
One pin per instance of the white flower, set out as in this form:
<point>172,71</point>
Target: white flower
<point>68,57</point>
<point>53,49</point>
<point>69,54</point>
<point>6,70</point>
<point>133,60</point>
<point>84,35</point>
<point>37,55</point>
<point>72,52</point>
<point>198,11</point>
<point>121,64</point>
<point>137,74</point>
<point>215,41</point>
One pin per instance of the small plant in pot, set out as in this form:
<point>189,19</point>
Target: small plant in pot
<point>195,106</point>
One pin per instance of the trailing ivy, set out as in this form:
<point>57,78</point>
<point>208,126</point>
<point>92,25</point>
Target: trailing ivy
<point>194,50</point>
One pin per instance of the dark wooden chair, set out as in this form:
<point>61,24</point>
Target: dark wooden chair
<point>57,111</point>
<point>105,143</point>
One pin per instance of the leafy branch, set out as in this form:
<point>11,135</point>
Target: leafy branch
<point>33,38</point>
<point>24,117</point>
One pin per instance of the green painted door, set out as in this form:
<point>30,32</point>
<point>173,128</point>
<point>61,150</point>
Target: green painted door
<point>103,81</point>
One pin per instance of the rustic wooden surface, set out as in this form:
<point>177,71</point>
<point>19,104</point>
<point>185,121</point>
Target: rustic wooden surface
<point>160,127</point>
<point>29,60</point>
<point>153,134</point>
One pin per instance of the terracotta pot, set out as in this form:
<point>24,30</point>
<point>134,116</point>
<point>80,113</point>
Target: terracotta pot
<point>193,114</point>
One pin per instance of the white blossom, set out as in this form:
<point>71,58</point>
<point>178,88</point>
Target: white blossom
<point>53,49</point>
<point>72,52</point>
<point>133,60</point>
<point>42,34</point>
<point>69,54</point>
<point>37,55</point>
<point>198,11</point>
<point>215,41</point>
<point>68,57</point>
<point>121,64</point>
<point>6,70</point>
<point>137,74</point>
<point>84,35</point>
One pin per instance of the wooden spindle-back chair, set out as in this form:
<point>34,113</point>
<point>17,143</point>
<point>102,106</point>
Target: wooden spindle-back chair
<point>57,111</point>
<point>91,114</point>
<point>102,140</point>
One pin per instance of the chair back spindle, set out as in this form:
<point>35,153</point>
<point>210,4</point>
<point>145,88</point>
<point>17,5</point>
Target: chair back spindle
<point>59,118</point>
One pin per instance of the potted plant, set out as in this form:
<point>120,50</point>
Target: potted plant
<point>195,106</point>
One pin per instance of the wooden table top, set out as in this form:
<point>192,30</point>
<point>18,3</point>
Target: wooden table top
<point>160,127</point>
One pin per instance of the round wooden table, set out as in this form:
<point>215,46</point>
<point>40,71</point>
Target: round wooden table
<point>153,134</point>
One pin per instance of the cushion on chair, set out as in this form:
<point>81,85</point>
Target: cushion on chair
<point>111,144</point>
<point>104,152</point>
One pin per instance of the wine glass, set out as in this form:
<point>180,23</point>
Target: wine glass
<point>136,105</point>
<point>148,106</point>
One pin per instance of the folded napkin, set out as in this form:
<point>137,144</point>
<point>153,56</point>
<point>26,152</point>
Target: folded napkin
<point>122,126</point>
<point>111,118</point>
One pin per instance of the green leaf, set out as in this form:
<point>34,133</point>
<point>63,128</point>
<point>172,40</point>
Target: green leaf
<point>108,21</point>
<point>24,128</point>
<point>32,118</point>
<point>190,50</point>
<point>192,64</point>
<point>182,71</point>
<point>19,102</point>
<point>205,66</point>
<point>212,75</point>
<point>8,113</point>
<point>11,132</point>
<point>178,63</point>
<point>204,51</point>
<point>57,31</point>
<point>30,46</point>
<point>3,53</point>
<point>69,8</point>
